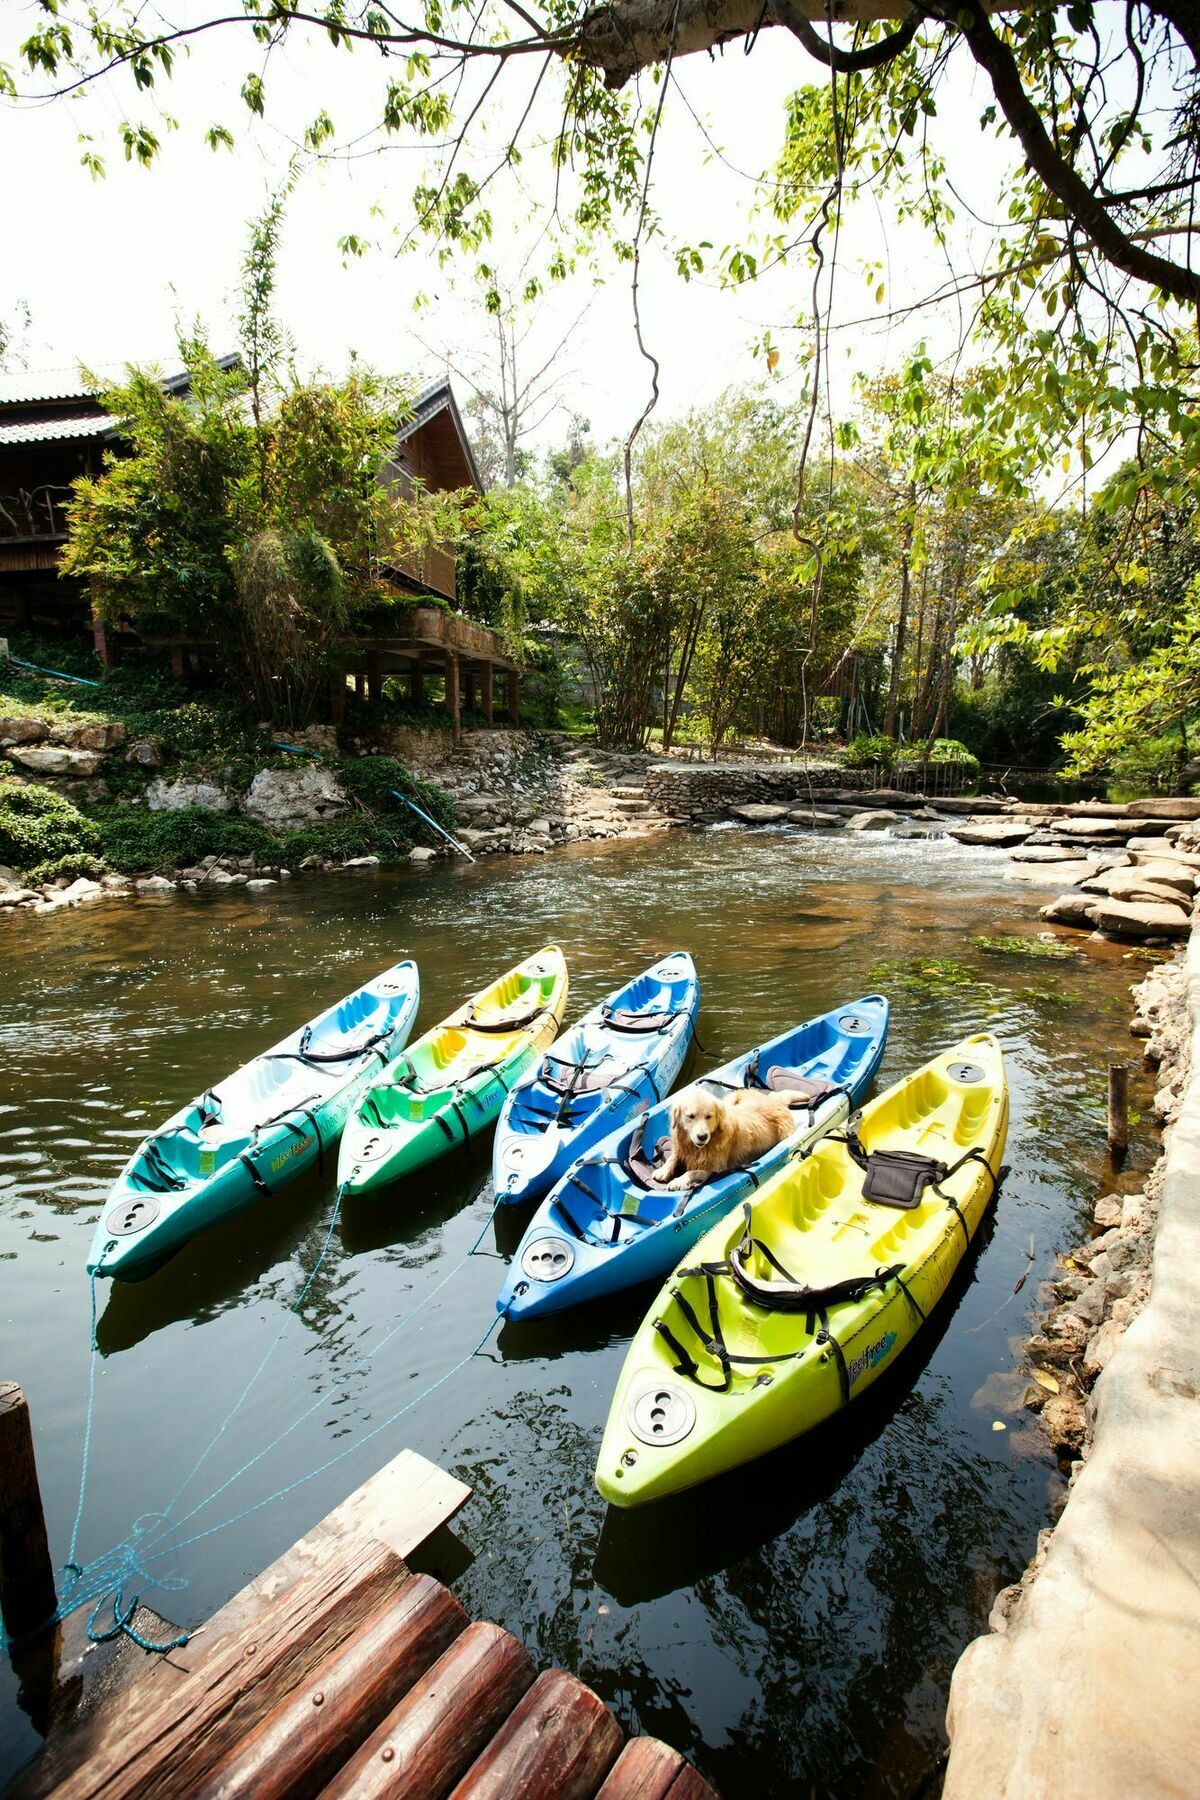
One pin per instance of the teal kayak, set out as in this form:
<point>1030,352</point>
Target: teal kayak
<point>260,1128</point>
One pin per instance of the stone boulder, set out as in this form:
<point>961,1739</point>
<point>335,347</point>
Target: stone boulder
<point>872,821</point>
<point>154,884</point>
<point>1130,884</point>
<point>1138,919</point>
<point>87,734</point>
<point>53,759</point>
<point>171,796</point>
<point>996,832</point>
<point>146,753</point>
<point>83,889</point>
<point>803,815</point>
<point>1166,873</point>
<point>421,855</point>
<point>759,815</point>
<point>21,731</point>
<point>1070,909</point>
<point>289,799</point>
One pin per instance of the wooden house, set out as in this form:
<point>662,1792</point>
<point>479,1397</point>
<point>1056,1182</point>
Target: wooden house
<point>53,430</point>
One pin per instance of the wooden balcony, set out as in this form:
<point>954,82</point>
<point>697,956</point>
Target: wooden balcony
<point>431,569</point>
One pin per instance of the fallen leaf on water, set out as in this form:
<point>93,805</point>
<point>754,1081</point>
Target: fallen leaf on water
<point>602,1609</point>
<point>1044,1379</point>
<point>999,1425</point>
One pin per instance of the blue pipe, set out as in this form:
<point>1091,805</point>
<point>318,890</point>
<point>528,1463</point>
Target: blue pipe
<point>299,750</point>
<point>58,674</point>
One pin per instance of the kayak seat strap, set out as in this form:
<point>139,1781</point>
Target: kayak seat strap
<point>514,1021</point>
<point>621,1019</point>
<point>581,1077</point>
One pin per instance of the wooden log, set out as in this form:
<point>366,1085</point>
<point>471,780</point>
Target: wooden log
<point>438,1729</point>
<point>1118,1107</point>
<point>172,1741</point>
<point>645,1770</point>
<point>28,1597</point>
<point>690,1785</point>
<point>311,1733</point>
<point>558,1744</point>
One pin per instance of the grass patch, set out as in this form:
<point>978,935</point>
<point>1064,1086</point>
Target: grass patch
<point>926,975</point>
<point>1037,948</point>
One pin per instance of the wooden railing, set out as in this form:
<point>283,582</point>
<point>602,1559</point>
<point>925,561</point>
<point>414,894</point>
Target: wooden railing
<point>34,513</point>
<point>434,568</point>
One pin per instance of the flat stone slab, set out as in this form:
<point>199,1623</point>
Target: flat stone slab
<point>997,832</point>
<point>759,814</point>
<point>1072,872</point>
<point>1032,852</point>
<point>872,821</point>
<point>1131,884</point>
<point>1174,808</point>
<point>1138,918</point>
<point>803,815</point>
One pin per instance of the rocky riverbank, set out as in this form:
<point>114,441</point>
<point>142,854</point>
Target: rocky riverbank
<point>501,792</point>
<point>1087,1680</point>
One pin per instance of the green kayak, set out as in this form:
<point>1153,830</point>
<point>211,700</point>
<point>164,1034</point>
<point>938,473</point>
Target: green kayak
<point>450,1085</point>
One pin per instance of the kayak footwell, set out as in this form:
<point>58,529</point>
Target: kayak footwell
<point>339,1669</point>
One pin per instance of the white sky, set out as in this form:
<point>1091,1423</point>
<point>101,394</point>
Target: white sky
<point>104,267</point>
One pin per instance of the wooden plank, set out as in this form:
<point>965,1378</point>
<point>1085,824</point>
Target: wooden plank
<point>324,1719</point>
<point>169,1739</point>
<point>645,1770</point>
<point>558,1744</point>
<point>439,1728</point>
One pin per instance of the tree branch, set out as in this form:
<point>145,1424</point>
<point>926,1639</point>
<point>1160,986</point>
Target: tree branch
<point>845,62</point>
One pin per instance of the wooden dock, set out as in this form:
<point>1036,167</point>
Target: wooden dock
<point>340,1673</point>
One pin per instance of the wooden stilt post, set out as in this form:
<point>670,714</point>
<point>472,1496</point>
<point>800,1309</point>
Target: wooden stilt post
<point>360,685</point>
<point>27,1593</point>
<point>514,696</point>
<point>177,668</point>
<point>453,699</point>
<point>485,691</point>
<point>374,676</point>
<point>468,681</point>
<point>1118,1108</point>
<point>337,696</point>
<point>416,684</point>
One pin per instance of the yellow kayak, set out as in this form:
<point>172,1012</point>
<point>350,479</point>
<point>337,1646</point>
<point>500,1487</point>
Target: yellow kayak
<point>450,1085</point>
<point>795,1303</point>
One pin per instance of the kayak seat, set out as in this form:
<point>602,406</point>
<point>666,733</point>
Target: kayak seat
<point>574,1079</point>
<point>899,1177</point>
<point>643,1169</point>
<point>812,1089</point>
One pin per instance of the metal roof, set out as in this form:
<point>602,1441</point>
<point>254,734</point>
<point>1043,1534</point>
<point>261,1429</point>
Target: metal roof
<point>32,387</point>
<point>53,431</point>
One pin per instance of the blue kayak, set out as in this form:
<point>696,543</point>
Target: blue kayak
<point>608,1224</point>
<point>622,1055</point>
<point>265,1124</point>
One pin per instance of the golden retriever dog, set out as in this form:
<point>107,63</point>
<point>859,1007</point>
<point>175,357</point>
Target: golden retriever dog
<point>712,1136</point>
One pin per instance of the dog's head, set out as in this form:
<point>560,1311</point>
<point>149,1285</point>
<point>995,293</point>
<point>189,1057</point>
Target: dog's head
<point>697,1117</point>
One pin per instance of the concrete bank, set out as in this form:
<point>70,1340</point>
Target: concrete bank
<point>1087,1682</point>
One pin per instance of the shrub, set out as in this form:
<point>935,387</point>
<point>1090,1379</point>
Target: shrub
<point>135,839</point>
<point>1151,767</point>
<point>945,750</point>
<point>38,826</point>
<point>863,752</point>
<point>68,867</point>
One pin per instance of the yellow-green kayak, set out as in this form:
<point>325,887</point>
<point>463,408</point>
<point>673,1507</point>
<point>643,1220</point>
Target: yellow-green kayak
<point>450,1085</point>
<point>795,1303</point>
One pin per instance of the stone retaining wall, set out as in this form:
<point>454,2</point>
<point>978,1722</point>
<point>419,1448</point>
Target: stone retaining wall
<point>1088,1680</point>
<point>709,790</point>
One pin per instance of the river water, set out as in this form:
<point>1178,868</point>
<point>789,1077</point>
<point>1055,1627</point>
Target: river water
<point>792,1627</point>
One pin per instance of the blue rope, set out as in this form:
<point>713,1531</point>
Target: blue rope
<point>386,1424</point>
<point>105,1579</point>
<point>328,1393</point>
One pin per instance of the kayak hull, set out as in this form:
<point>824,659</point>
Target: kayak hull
<point>599,1231</point>
<point>269,1122</point>
<point>543,1129</point>
<point>680,1415</point>
<point>450,1085</point>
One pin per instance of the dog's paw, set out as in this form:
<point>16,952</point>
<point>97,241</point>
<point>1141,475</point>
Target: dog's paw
<point>680,1182</point>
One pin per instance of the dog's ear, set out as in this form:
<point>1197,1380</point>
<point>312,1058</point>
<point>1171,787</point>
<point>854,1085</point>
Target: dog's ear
<point>674,1114</point>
